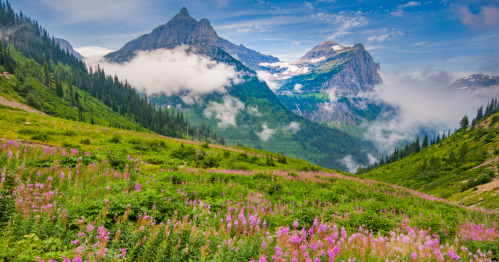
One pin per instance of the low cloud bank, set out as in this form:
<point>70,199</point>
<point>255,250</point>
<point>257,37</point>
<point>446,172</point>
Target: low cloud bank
<point>171,71</point>
<point>226,112</point>
<point>423,101</point>
<point>266,133</point>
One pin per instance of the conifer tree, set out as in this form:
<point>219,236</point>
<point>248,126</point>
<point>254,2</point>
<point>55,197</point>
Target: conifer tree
<point>58,87</point>
<point>425,142</point>
<point>464,123</point>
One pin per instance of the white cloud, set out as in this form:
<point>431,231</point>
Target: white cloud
<point>244,30</point>
<point>293,127</point>
<point>266,133</point>
<point>171,71</point>
<point>350,163</point>
<point>295,43</point>
<point>254,111</point>
<point>226,112</point>
<point>74,11</point>
<point>267,78</point>
<point>382,38</point>
<point>93,51</point>
<point>411,3</point>
<point>308,5</point>
<point>416,44</point>
<point>399,12</point>
<point>488,16</point>
<point>344,21</point>
<point>297,87</point>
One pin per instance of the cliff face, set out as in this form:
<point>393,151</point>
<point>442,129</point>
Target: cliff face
<point>358,75</point>
<point>338,71</point>
<point>185,30</point>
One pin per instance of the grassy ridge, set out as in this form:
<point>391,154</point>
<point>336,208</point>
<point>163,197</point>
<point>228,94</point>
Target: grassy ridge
<point>461,168</point>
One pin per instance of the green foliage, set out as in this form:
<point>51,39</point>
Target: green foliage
<point>85,141</point>
<point>116,139</point>
<point>484,178</point>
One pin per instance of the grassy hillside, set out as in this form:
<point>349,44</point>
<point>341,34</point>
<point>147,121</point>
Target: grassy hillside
<point>104,194</point>
<point>461,168</point>
<point>18,89</point>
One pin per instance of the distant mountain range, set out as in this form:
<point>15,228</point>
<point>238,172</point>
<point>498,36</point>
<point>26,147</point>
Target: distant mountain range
<point>476,81</point>
<point>65,45</point>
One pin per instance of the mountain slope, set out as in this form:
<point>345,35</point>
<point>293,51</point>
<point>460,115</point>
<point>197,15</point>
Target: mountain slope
<point>461,168</point>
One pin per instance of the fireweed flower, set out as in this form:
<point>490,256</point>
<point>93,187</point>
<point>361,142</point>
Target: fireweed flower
<point>90,228</point>
<point>138,186</point>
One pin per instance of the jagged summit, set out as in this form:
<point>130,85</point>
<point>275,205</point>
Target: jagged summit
<point>184,11</point>
<point>322,51</point>
<point>182,29</point>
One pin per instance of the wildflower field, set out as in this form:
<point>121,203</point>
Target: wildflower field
<point>99,202</point>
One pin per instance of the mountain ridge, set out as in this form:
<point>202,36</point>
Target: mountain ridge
<point>182,29</point>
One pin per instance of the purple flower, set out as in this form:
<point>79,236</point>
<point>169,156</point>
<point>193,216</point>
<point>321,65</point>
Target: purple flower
<point>62,175</point>
<point>90,228</point>
<point>74,242</point>
<point>10,154</point>
<point>264,244</point>
<point>262,259</point>
<point>414,255</point>
<point>295,224</point>
<point>49,178</point>
<point>138,186</point>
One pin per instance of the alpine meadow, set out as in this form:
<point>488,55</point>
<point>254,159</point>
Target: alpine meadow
<point>361,131</point>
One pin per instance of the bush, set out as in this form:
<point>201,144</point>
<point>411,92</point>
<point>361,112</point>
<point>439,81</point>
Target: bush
<point>85,141</point>
<point>40,137</point>
<point>116,139</point>
<point>33,101</point>
<point>184,152</point>
<point>205,146</point>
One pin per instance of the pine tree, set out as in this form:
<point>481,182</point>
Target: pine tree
<point>58,87</point>
<point>70,89</point>
<point>425,142</point>
<point>464,123</point>
<point>417,146</point>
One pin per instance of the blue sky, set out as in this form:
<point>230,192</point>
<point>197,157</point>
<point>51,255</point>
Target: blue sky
<point>403,36</point>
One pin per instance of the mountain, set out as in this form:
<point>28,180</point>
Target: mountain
<point>248,112</point>
<point>324,84</point>
<point>185,30</point>
<point>476,81</point>
<point>65,45</point>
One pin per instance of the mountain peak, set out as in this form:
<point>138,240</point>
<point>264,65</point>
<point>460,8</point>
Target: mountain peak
<point>184,11</point>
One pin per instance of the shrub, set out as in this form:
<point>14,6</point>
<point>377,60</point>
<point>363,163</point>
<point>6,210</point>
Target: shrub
<point>40,137</point>
<point>85,141</point>
<point>33,101</point>
<point>115,139</point>
<point>205,146</point>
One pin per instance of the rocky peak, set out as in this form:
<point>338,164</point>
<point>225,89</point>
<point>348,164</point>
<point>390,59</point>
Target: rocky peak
<point>203,33</point>
<point>322,52</point>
